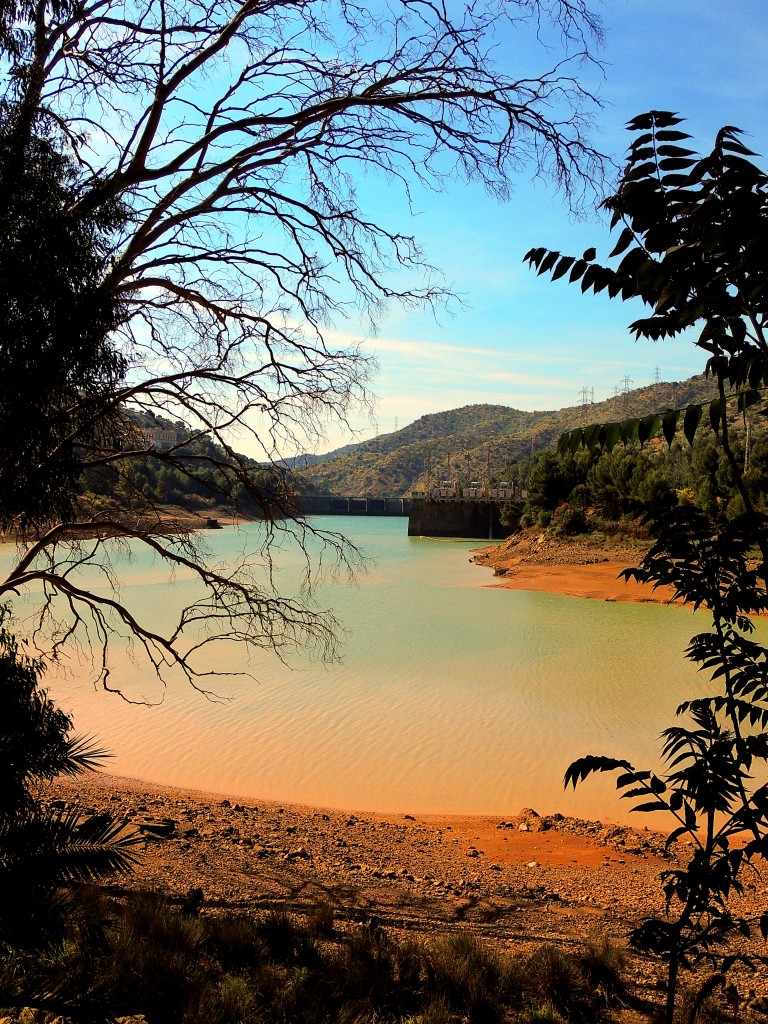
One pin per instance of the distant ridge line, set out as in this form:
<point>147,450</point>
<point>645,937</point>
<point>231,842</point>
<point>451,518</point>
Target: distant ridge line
<point>473,441</point>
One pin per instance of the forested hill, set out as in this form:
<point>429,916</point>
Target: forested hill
<point>460,442</point>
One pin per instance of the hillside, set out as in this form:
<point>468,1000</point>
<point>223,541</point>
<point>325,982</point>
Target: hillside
<point>470,441</point>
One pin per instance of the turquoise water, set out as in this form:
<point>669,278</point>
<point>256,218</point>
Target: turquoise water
<point>451,695</point>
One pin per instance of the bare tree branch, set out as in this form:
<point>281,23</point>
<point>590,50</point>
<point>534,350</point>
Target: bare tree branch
<point>215,147</point>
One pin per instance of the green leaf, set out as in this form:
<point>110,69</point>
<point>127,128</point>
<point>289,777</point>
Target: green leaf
<point>612,436</point>
<point>676,163</point>
<point>747,399</point>
<point>583,767</point>
<point>626,237</point>
<point>629,430</point>
<point>548,262</point>
<point>563,444</point>
<point>691,422</point>
<point>649,427</point>
<point>716,410</point>
<point>577,270</point>
<point>534,256</point>
<point>676,800</point>
<point>563,266</point>
<point>589,254</point>
<point>576,440</point>
<point>671,136</point>
<point>591,275</point>
<point>592,436</point>
<point>637,172</point>
<point>669,425</point>
<point>674,151</point>
<point>653,119</point>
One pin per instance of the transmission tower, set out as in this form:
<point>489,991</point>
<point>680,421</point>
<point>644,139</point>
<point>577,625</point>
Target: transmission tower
<point>585,401</point>
<point>657,376</point>
<point>626,384</point>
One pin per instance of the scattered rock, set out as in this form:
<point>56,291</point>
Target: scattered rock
<point>301,853</point>
<point>157,829</point>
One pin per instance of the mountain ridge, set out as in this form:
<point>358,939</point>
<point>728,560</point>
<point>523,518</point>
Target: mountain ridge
<point>476,441</point>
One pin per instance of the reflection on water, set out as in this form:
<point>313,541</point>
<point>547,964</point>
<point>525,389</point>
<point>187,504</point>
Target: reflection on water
<point>451,696</point>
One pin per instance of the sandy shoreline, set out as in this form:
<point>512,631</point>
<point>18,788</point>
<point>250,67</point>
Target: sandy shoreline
<point>572,567</point>
<point>558,874</point>
<point>519,882</point>
<point>599,582</point>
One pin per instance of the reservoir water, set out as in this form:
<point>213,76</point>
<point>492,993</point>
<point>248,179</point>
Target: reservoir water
<point>451,695</point>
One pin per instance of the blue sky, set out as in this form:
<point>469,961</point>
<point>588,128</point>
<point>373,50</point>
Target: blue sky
<point>518,340</point>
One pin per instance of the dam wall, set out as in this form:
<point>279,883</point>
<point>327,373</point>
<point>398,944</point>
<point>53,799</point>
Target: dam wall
<point>457,517</point>
<point>335,505</point>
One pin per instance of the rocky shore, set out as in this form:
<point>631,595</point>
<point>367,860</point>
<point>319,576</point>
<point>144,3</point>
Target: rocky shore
<point>520,881</point>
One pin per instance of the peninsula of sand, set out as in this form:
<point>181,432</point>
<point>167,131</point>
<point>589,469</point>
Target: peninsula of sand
<point>583,566</point>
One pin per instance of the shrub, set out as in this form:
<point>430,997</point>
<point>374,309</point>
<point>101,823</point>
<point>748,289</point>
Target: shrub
<point>555,978</point>
<point>285,940</point>
<point>467,976</point>
<point>372,970</point>
<point>155,960</point>
<point>231,1001</point>
<point>545,1014</point>
<point>235,942</point>
<point>320,921</point>
<point>568,519</point>
<point>602,963</point>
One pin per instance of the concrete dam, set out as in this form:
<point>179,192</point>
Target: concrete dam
<point>475,518</point>
<point>336,505</point>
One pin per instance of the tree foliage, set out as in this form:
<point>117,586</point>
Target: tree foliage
<point>44,850</point>
<point>692,247</point>
<point>197,177</point>
<point>60,370</point>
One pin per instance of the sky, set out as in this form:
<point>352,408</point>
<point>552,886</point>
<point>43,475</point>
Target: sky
<point>516,339</point>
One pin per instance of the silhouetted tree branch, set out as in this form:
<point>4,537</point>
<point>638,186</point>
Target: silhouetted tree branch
<point>205,157</point>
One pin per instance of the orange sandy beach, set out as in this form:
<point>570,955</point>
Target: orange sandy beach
<point>574,568</point>
<point>518,881</point>
<point>599,582</point>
